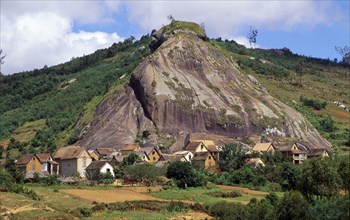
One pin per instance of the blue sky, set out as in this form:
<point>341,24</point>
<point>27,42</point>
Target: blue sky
<point>38,33</point>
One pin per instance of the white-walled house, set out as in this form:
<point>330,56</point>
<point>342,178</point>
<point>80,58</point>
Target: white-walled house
<point>97,167</point>
<point>48,164</point>
<point>187,154</point>
<point>73,160</point>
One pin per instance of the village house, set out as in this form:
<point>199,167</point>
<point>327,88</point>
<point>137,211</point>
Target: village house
<point>143,156</point>
<point>204,160</point>
<point>29,162</point>
<point>187,154</point>
<point>295,151</point>
<point>152,153</point>
<point>264,147</point>
<point>94,156</point>
<point>97,167</point>
<point>317,153</point>
<point>128,148</point>
<point>104,153</point>
<point>170,158</point>
<point>256,162</point>
<point>48,164</point>
<point>203,146</point>
<point>72,160</point>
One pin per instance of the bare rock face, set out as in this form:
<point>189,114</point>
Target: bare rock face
<point>189,86</point>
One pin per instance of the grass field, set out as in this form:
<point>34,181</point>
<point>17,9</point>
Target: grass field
<point>61,201</point>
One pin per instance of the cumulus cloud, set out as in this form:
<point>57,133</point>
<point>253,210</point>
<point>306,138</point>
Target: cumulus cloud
<point>227,18</point>
<point>33,36</point>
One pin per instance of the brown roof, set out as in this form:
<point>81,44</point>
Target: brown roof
<point>212,148</point>
<point>201,156</point>
<point>104,151</point>
<point>170,157</point>
<point>206,143</point>
<point>262,147</point>
<point>44,158</point>
<point>96,165</point>
<point>148,150</point>
<point>70,152</point>
<point>130,147</point>
<point>191,146</point>
<point>24,159</point>
<point>316,152</point>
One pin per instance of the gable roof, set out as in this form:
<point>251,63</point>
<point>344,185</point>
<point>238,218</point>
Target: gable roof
<point>207,143</point>
<point>148,150</point>
<point>202,156</point>
<point>130,147</point>
<point>104,151</point>
<point>192,146</point>
<point>44,158</point>
<point>70,152</point>
<point>171,157</point>
<point>24,159</point>
<point>96,165</point>
<point>263,147</point>
<point>141,153</point>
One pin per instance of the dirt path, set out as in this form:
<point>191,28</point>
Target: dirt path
<point>244,190</point>
<point>108,196</point>
<point>191,215</point>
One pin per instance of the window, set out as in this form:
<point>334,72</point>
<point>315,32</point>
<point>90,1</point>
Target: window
<point>84,162</point>
<point>153,153</point>
<point>108,170</point>
<point>209,157</point>
<point>154,158</point>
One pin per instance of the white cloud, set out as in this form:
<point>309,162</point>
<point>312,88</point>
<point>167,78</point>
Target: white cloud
<point>34,34</point>
<point>227,18</point>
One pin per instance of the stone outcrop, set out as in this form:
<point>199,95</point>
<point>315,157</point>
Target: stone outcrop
<point>187,85</point>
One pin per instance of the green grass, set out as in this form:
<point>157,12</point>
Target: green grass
<point>134,215</point>
<point>28,130</point>
<point>182,25</point>
<point>201,195</point>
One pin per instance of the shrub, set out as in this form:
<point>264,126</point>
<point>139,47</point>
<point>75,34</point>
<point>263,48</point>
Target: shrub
<point>314,103</point>
<point>228,211</point>
<point>231,194</point>
<point>51,180</point>
<point>23,190</point>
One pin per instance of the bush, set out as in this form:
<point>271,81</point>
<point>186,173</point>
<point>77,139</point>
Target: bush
<point>314,103</point>
<point>6,181</point>
<point>51,180</point>
<point>228,211</point>
<point>293,206</point>
<point>232,194</point>
<point>23,190</point>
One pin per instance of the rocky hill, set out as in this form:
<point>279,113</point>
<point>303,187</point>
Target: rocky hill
<point>188,85</point>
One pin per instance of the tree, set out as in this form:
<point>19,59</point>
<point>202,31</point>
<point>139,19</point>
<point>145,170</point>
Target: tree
<point>130,159</point>
<point>319,178</point>
<point>290,175</point>
<point>251,36</point>
<point>293,206</point>
<point>185,175</point>
<point>344,171</point>
<point>144,172</point>
<point>299,70</point>
<point>2,57</point>
<point>232,157</point>
<point>345,53</point>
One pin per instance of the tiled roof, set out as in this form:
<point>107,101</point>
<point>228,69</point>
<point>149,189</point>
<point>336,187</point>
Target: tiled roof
<point>170,157</point>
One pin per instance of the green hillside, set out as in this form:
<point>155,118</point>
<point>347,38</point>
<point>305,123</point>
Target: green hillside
<point>61,93</point>
<point>54,98</point>
<point>302,83</point>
